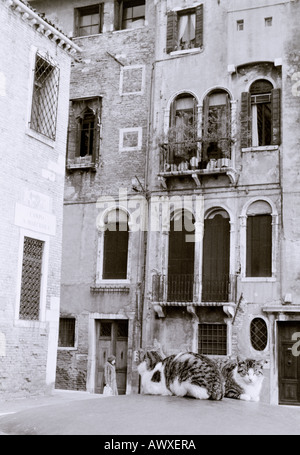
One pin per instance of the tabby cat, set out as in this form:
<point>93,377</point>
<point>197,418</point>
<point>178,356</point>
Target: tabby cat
<point>243,378</point>
<point>184,374</point>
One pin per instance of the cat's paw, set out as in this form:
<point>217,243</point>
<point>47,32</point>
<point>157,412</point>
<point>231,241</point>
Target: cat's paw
<point>245,397</point>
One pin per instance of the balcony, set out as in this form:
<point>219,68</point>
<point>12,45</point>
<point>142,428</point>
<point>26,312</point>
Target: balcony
<point>184,290</point>
<point>196,159</point>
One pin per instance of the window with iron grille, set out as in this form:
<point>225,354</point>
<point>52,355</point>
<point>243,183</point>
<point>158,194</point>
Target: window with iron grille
<point>31,279</point>
<point>212,339</point>
<point>66,338</point>
<point>259,334</point>
<point>45,97</point>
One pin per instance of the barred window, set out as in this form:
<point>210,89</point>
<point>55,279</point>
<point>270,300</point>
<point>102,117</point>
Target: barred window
<point>66,338</point>
<point>31,279</point>
<point>45,97</point>
<point>212,339</point>
<point>259,334</point>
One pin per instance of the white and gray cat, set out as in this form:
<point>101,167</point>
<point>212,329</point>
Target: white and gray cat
<point>243,378</point>
<point>195,375</point>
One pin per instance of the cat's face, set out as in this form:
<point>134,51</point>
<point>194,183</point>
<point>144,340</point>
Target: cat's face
<point>148,361</point>
<point>250,371</point>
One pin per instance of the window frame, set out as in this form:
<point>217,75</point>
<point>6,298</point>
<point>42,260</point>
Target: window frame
<point>69,348</point>
<point>172,30</point>
<point>101,226</point>
<point>131,4</point>
<point>44,279</point>
<point>258,317</point>
<point>246,127</point>
<point>78,14</point>
<point>243,240</point>
<point>214,325</point>
<point>37,100</point>
<point>79,107</point>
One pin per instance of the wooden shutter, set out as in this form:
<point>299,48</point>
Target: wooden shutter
<point>259,246</point>
<point>76,22</point>
<point>171,31</point>
<point>216,252</point>
<point>199,26</point>
<point>115,253</point>
<point>275,100</point>
<point>101,17</point>
<point>246,133</point>
<point>118,11</point>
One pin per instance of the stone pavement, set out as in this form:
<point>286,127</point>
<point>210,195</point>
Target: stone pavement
<point>81,413</point>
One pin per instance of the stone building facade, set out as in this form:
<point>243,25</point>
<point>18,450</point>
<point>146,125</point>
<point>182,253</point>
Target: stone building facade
<point>34,96</point>
<point>194,106</point>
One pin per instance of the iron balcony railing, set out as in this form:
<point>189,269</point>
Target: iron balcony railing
<point>195,154</point>
<point>185,288</point>
<point>216,290</point>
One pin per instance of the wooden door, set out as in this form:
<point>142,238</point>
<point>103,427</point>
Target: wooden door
<point>112,339</point>
<point>216,249</point>
<point>288,364</point>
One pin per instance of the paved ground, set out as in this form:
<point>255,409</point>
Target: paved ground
<point>80,413</point>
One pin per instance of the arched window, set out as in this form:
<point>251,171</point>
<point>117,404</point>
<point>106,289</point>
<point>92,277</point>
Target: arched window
<point>259,334</point>
<point>260,115</point>
<point>259,240</point>
<point>181,257</point>
<point>182,135</point>
<point>216,125</point>
<point>115,254</point>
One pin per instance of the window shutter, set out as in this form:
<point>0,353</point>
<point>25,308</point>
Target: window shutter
<point>246,120</point>
<point>259,246</point>
<point>100,17</point>
<point>115,253</point>
<point>199,26</point>
<point>118,14</point>
<point>76,22</point>
<point>171,31</point>
<point>275,100</point>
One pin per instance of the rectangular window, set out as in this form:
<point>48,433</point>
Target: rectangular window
<point>268,21</point>
<point>88,20</point>
<point>184,29</point>
<point>240,25</point>
<point>261,120</point>
<point>133,14</point>
<point>45,97</point>
<point>66,338</point>
<point>259,246</point>
<point>31,279</point>
<point>212,339</point>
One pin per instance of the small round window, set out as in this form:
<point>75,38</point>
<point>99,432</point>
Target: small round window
<point>259,334</point>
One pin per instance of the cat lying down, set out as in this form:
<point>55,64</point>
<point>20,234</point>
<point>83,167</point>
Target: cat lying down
<point>195,375</point>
